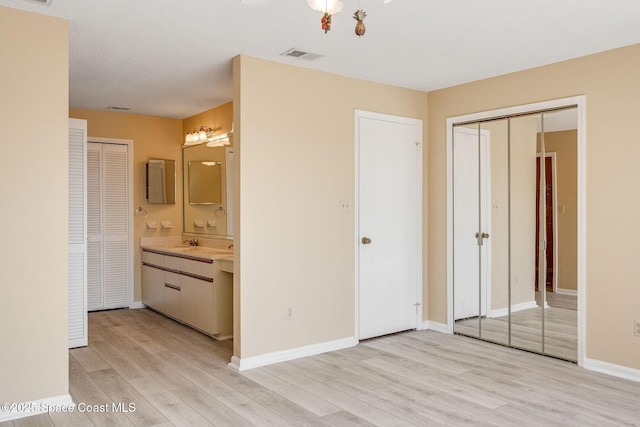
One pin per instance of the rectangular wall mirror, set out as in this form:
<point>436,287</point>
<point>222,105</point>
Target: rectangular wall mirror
<point>208,191</point>
<point>161,181</point>
<point>205,182</point>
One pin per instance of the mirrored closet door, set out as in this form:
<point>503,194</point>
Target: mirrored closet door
<point>515,231</point>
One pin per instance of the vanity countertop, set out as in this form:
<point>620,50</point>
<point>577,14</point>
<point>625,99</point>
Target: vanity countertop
<point>199,252</point>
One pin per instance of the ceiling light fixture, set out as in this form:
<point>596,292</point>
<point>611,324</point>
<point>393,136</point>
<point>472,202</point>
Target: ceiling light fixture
<point>326,6</point>
<point>329,7</point>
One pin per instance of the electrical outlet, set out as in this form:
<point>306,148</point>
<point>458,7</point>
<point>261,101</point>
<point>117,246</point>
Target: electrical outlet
<point>288,313</point>
<point>637,329</point>
<point>345,206</point>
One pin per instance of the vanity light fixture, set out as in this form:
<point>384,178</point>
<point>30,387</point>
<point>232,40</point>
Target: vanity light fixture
<point>220,140</point>
<point>199,136</point>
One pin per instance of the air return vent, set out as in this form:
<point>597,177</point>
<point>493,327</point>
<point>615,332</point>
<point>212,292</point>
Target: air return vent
<point>42,2</point>
<point>297,53</point>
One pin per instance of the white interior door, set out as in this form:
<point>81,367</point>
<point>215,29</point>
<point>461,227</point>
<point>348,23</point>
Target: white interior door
<point>77,234</point>
<point>470,213</point>
<point>108,226</point>
<point>390,215</point>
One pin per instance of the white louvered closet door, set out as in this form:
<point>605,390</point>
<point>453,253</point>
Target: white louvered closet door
<point>77,317</point>
<point>108,248</point>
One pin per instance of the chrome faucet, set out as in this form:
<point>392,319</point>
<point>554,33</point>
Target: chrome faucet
<point>192,242</point>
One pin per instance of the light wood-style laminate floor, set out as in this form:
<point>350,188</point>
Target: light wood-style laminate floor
<point>177,376</point>
<point>560,336</point>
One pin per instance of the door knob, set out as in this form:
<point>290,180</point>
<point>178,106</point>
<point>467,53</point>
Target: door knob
<point>480,237</point>
<point>366,240</point>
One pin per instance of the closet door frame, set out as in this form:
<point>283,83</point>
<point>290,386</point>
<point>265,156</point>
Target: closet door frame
<point>129,144</point>
<point>580,102</point>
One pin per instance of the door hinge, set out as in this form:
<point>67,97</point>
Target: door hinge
<point>417,306</point>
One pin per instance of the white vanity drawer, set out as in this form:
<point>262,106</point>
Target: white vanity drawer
<point>172,280</point>
<point>172,262</point>
<point>153,258</point>
<point>199,268</point>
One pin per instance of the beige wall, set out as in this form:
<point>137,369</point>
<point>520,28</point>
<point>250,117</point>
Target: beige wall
<point>296,163</point>
<point>34,124</point>
<point>609,81</point>
<point>153,137</point>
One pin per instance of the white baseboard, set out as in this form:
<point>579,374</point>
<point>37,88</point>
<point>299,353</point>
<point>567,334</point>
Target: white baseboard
<point>136,305</point>
<point>500,312</point>
<point>35,407</point>
<point>563,291</point>
<point>242,364</point>
<point>435,326</point>
<point>612,369</point>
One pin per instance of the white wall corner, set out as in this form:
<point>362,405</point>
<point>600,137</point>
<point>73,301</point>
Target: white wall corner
<point>35,407</point>
<point>612,369</point>
<point>435,326</point>
<point>243,364</point>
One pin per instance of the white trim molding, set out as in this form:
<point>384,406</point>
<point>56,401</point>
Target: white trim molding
<point>242,364</point>
<point>40,406</point>
<point>612,369</point>
<point>500,312</point>
<point>563,291</point>
<point>136,305</point>
<point>435,326</point>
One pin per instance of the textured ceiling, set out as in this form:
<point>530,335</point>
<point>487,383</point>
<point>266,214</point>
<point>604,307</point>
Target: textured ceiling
<point>173,58</point>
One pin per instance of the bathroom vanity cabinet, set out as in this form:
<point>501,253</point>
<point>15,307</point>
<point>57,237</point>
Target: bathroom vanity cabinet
<point>190,288</point>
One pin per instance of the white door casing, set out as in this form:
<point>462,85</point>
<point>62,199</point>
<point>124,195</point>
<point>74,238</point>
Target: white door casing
<point>389,212</point>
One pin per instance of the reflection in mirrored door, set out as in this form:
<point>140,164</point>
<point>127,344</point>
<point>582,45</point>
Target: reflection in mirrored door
<point>469,286</point>
<point>526,312</point>
<point>558,146</point>
<point>495,325</point>
<point>515,231</point>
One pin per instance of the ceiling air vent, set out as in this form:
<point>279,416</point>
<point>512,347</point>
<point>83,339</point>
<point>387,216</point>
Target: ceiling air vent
<point>42,2</point>
<point>296,53</point>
